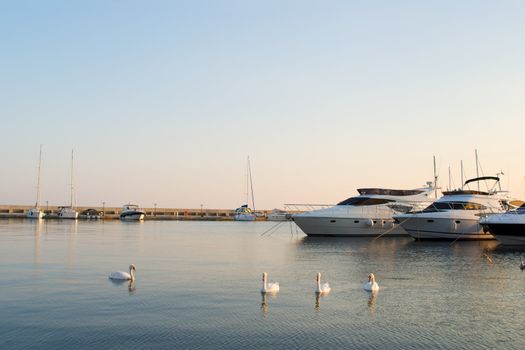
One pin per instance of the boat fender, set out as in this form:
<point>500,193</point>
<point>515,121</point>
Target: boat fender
<point>370,222</point>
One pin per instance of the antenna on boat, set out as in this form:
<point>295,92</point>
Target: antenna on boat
<point>462,178</point>
<point>449,185</point>
<point>435,178</point>
<point>499,182</point>
<point>477,166</point>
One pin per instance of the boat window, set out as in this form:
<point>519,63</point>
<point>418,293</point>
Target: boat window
<point>437,206</point>
<point>362,201</point>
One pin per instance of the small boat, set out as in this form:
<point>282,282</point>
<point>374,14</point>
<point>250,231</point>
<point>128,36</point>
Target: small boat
<point>90,214</point>
<point>132,212</point>
<point>36,213</point>
<point>508,228</point>
<point>243,213</point>
<point>67,213</point>
<point>278,215</point>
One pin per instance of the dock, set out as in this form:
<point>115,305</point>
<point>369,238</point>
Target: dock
<point>112,213</point>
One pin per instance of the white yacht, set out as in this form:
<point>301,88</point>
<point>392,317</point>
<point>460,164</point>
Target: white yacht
<point>368,215</point>
<point>132,212</point>
<point>508,228</point>
<point>457,214</point>
<point>68,212</point>
<point>36,213</point>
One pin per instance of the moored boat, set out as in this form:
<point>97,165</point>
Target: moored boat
<point>132,212</point>
<point>508,228</point>
<point>368,215</point>
<point>456,215</point>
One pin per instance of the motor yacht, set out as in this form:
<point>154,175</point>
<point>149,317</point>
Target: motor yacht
<point>132,212</point>
<point>457,214</point>
<point>368,215</point>
<point>508,228</point>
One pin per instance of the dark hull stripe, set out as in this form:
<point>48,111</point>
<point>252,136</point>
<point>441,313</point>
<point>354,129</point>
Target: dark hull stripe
<point>507,229</point>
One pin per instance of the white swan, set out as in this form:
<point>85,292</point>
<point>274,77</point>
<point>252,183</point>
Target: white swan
<point>119,275</point>
<point>371,285</point>
<point>322,288</point>
<point>269,287</point>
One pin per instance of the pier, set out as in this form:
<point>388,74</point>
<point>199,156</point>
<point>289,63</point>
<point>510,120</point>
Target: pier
<point>112,213</point>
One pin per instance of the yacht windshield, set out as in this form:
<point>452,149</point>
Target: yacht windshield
<point>440,206</point>
<point>362,201</point>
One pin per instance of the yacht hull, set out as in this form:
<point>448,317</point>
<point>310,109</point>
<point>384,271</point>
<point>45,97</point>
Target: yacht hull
<point>348,227</point>
<point>68,214</point>
<point>35,213</point>
<point>132,216</point>
<point>244,217</point>
<point>508,234</point>
<point>426,228</point>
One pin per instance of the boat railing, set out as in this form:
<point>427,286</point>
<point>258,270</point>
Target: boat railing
<point>299,207</point>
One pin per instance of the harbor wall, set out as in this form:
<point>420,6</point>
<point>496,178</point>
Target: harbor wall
<point>110,213</point>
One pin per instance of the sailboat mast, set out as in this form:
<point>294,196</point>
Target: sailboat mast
<point>435,179</point>
<point>38,178</point>
<point>251,183</point>
<point>71,189</point>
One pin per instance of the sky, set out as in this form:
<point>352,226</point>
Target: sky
<point>163,101</point>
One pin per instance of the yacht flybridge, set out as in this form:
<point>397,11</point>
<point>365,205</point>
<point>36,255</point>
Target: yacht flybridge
<point>368,215</point>
<point>457,214</point>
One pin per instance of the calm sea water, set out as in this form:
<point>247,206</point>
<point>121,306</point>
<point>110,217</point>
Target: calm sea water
<point>197,287</point>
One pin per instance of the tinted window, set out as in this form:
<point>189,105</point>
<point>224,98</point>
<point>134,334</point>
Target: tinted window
<point>361,201</point>
<point>455,205</point>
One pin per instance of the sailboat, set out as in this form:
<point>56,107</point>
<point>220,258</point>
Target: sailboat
<point>244,213</point>
<point>36,213</point>
<point>68,212</point>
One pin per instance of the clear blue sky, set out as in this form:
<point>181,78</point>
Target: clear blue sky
<point>163,100</point>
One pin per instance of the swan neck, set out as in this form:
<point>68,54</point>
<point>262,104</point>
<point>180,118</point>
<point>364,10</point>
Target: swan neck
<point>264,283</point>
<point>132,275</point>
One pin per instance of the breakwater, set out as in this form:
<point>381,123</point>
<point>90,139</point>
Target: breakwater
<point>111,213</point>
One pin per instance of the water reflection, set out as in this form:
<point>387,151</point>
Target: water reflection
<point>372,300</point>
<point>131,287</point>
<point>264,303</point>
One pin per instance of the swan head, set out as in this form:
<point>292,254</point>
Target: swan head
<point>318,278</point>
<point>371,277</point>
<point>132,267</point>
